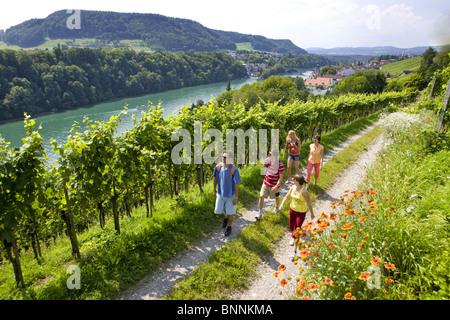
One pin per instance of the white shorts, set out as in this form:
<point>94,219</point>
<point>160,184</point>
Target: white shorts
<point>225,205</point>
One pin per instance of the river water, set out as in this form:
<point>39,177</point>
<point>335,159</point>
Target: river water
<point>58,125</point>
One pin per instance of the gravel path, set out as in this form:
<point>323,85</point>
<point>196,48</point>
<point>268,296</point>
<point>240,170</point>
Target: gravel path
<point>266,286</point>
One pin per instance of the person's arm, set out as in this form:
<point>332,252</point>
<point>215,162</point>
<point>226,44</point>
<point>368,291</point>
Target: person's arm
<point>285,148</point>
<point>216,180</point>
<point>236,193</point>
<point>305,194</point>
<point>280,180</point>
<point>297,147</point>
<point>321,158</point>
<point>285,198</point>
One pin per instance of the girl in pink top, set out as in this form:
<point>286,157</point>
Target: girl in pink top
<point>315,159</point>
<point>293,144</point>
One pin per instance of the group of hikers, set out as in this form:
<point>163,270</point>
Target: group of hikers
<point>227,179</point>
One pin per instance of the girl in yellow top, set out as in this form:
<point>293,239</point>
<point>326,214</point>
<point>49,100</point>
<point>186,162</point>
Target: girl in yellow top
<point>300,203</point>
<point>315,159</point>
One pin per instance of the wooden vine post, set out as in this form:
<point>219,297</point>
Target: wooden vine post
<point>15,260</point>
<point>444,107</point>
<point>71,226</point>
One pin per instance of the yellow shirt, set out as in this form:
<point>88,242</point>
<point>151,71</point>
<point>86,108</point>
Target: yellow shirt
<point>298,202</point>
<point>315,153</point>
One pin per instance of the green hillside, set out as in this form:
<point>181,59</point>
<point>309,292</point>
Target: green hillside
<point>153,31</point>
<point>396,68</point>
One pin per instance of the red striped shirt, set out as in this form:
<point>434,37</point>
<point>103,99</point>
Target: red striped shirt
<point>273,173</point>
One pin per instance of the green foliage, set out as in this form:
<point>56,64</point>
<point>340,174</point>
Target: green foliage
<point>361,82</point>
<point>157,31</point>
<point>66,79</point>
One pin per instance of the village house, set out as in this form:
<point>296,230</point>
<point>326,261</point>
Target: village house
<point>319,81</point>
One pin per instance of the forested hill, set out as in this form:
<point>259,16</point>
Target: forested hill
<point>58,80</point>
<point>157,31</point>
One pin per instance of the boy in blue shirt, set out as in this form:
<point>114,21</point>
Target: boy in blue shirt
<point>227,177</point>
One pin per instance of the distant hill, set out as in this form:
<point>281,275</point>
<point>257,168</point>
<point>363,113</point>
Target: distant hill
<point>371,51</point>
<point>157,31</point>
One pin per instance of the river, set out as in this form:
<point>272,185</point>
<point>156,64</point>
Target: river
<point>58,125</point>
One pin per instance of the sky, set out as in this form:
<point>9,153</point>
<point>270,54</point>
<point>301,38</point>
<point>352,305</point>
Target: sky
<point>307,23</point>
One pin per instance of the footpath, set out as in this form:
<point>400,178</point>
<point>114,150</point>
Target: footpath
<point>266,286</point>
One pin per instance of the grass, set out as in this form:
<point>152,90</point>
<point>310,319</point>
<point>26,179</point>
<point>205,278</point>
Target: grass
<point>244,46</point>
<point>396,68</point>
<point>232,267</point>
<point>139,45</point>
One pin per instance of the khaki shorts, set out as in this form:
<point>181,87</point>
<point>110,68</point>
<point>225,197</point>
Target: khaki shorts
<point>266,191</point>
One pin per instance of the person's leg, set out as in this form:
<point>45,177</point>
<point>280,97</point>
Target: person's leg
<point>289,166</point>
<point>230,210</point>
<point>297,164</point>
<point>220,209</point>
<point>316,172</point>
<point>308,171</point>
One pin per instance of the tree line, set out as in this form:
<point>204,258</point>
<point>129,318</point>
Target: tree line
<point>51,81</point>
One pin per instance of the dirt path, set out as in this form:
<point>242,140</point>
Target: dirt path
<point>265,287</point>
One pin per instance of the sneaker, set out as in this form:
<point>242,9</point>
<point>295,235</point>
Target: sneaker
<point>227,231</point>
<point>292,242</point>
<point>259,215</point>
<point>276,209</point>
<point>224,223</point>
<point>292,255</point>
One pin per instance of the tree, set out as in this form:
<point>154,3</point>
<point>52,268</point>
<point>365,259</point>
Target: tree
<point>328,69</point>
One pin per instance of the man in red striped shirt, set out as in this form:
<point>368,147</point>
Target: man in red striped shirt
<point>272,181</point>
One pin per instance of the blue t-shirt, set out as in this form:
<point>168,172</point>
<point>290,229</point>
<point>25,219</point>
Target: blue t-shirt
<point>226,181</point>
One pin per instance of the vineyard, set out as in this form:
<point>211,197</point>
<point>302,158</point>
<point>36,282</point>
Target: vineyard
<point>102,175</point>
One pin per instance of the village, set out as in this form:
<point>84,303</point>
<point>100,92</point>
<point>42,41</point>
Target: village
<point>317,81</point>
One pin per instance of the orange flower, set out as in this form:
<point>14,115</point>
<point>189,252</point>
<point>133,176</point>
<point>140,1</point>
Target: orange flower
<point>391,209</point>
<point>306,298</point>
<point>348,296</point>
<point>301,284</point>
<point>312,286</point>
<point>276,273</point>
<point>387,199</point>
<point>282,267</point>
<point>347,226</point>
<point>371,201</point>
<point>388,280</point>
<point>283,282</point>
<point>328,281</point>
<point>390,266</point>
<point>365,276</point>
<point>372,207</point>
<point>362,218</point>
<point>330,245</point>
<point>372,213</point>
<point>348,257</point>
<point>304,253</point>
<point>376,261</point>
